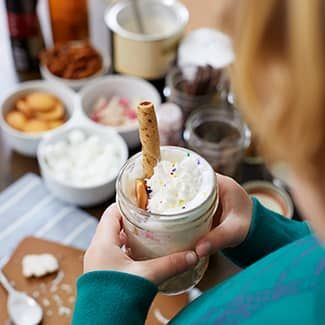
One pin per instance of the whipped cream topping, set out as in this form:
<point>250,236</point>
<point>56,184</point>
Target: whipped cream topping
<point>182,180</point>
<point>173,184</point>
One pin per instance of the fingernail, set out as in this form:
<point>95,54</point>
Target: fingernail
<point>191,258</point>
<point>203,249</point>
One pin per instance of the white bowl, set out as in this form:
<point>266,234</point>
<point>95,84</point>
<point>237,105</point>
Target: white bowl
<point>80,195</point>
<point>122,86</point>
<point>21,142</point>
<point>75,84</point>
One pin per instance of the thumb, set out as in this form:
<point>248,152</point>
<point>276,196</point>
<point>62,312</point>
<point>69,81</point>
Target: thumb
<point>162,268</point>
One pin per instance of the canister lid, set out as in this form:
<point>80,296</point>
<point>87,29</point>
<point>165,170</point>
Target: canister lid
<point>206,46</point>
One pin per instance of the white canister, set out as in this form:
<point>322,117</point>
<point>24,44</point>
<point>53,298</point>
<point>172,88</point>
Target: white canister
<point>145,49</point>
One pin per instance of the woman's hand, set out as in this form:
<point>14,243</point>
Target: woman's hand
<point>105,253</point>
<point>232,219</point>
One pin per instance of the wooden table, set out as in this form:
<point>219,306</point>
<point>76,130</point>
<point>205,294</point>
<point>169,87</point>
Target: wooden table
<point>204,13</point>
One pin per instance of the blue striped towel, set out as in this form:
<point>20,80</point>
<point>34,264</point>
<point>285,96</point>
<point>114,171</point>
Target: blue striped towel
<point>27,208</point>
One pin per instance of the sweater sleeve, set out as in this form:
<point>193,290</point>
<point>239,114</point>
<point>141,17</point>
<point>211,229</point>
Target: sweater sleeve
<point>108,297</point>
<point>268,232</point>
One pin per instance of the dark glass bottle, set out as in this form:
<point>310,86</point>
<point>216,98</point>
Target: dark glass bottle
<point>25,37</point>
<point>69,20</point>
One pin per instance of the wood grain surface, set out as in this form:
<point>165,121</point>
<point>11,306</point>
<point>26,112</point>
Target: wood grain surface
<point>43,289</point>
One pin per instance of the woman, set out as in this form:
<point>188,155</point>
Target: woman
<point>279,79</point>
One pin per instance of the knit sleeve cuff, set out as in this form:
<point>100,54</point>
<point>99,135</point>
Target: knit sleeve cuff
<point>109,297</point>
<point>268,232</point>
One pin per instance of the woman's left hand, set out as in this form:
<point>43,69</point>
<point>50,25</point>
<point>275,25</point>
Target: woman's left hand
<point>105,253</point>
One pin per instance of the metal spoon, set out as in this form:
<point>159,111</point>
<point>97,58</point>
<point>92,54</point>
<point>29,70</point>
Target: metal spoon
<point>138,17</point>
<point>22,309</point>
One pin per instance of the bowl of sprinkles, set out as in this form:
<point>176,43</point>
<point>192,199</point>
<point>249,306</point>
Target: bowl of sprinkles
<point>111,102</point>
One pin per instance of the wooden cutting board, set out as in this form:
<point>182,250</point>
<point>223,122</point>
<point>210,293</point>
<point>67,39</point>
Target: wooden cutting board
<point>164,308</point>
<point>53,297</point>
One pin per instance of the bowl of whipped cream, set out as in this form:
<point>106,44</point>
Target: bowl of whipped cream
<point>80,163</point>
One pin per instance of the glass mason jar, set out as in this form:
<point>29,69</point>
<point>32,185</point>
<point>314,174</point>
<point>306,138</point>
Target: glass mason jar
<point>201,91</point>
<point>220,136</point>
<point>152,235</point>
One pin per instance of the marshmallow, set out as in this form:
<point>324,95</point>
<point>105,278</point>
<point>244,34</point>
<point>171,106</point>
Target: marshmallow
<point>39,265</point>
<point>83,160</point>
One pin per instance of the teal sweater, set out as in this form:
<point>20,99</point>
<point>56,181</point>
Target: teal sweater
<point>283,283</point>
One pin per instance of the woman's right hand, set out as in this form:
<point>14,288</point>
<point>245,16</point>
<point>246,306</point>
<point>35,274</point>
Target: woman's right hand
<point>232,220</point>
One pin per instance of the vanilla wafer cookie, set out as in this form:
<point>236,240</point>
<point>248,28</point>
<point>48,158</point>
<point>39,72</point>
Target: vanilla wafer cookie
<point>149,137</point>
<point>56,113</point>
<point>40,102</point>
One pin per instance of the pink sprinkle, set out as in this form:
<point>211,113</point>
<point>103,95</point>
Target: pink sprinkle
<point>131,114</point>
<point>124,102</point>
<point>149,235</point>
<point>94,117</point>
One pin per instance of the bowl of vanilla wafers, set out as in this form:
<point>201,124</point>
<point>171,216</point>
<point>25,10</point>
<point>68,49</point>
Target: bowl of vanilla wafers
<point>33,109</point>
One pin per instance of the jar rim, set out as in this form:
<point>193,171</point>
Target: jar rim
<point>159,216</point>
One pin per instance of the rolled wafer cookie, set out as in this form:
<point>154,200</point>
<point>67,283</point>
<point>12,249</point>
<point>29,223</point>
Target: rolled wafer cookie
<point>149,137</point>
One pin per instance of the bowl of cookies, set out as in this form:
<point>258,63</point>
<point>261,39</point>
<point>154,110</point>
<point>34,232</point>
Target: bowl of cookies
<point>73,63</point>
<point>32,109</point>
